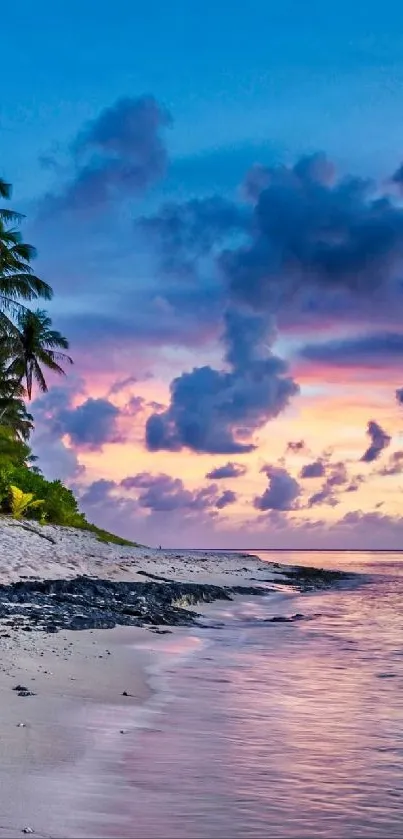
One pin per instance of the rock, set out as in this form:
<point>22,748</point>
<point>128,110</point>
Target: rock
<point>26,693</point>
<point>27,830</point>
<point>20,687</point>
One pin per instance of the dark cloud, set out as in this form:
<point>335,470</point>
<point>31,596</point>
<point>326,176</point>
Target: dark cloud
<point>229,470</point>
<point>295,447</point>
<point>397,177</point>
<point>184,234</point>
<point>399,395</point>
<point>313,231</point>
<point>379,441</point>
<point>355,483</point>
<point>228,497</point>
<point>394,466</point>
<point>117,155</point>
<point>317,469</point>
<point>162,493</point>
<point>97,493</point>
<point>281,493</point>
<point>90,425</point>
<point>375,350</point>
<point>323,496</point>
<point>216,411</point>
<point>336,477</point>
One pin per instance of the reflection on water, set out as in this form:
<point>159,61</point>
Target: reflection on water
<point>279,730</point>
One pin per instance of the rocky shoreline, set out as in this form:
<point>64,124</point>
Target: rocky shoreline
<point>85,602</point>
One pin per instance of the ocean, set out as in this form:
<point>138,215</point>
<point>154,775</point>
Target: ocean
<point>285,730</point>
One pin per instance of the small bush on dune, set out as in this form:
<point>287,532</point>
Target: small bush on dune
<point>21,502</point>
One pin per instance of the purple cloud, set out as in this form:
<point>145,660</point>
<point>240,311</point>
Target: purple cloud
<point>336,477</point>
<point>282,492</point>
<point>296,447</point>
<point>162,493</point>
<point>379,441</point>
<point>215,410</point>
<point>229,470</point>
<point>374,350</point>
<point>117,155</point>
<point>184,234</point>
<point>314,232</point>
<point>97,492</point>
<point>228,497</point>
<point>399,395</point>
<point>394,465</point>
<point>89,425</point>
<point>317,469</point>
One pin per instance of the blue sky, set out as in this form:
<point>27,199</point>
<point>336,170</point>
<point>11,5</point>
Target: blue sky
<point>182,360</point>
<point>232,74</point>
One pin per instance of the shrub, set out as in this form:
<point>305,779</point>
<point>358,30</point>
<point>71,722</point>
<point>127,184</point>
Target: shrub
<point>21,502</point>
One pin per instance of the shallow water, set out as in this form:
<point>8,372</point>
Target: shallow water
<point>281,730</point>
<point>266,729</point>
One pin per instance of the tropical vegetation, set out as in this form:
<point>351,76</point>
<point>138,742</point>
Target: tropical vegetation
<point>30,349</point>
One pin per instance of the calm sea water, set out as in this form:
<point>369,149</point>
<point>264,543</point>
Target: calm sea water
<point>280,730</point>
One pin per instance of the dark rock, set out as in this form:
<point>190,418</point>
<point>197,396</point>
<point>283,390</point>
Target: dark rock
<point>20,687</point>
<point>92,603</point>
<point>26,693</point>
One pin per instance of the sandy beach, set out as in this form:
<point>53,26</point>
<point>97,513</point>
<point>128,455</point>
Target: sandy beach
<point>69,699</point>
<point>86,689</point>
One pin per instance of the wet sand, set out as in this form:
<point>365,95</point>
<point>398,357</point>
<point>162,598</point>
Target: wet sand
<point>46,740</point>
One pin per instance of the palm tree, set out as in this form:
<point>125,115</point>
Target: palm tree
<point>17,280</point>
<point>37,346</point>
<point>13,413</point>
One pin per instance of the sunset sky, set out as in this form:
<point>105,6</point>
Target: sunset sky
<point>215,192</point>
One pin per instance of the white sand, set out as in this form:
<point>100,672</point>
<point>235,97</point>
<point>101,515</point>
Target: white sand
<point>63,552</point>
<point>79,677</point>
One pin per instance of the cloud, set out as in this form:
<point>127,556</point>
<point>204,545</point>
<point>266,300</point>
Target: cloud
<point>218,411</point>
<point>229,470</point>
<point>90,425</point>
<point>323,496</point>
<point>162,493</point>
<point>296,447</point>
<point>336,477</point>
<point>117,155</point>
<point>399,395</point>
<point>228,497</point>
<point>317,469</point>
<point>397,177</point>
<point>185,234</point>
<point>122,384</point>
<point>379,441</point>
<point>394,466</point>
<point>97,493</point>
<point>314,231</point>
<point>371,351</point>
<point>281,493</point>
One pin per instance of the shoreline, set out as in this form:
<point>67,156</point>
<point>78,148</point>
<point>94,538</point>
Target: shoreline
<point>93,687</point>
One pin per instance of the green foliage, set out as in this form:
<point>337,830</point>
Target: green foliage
<point>21,501</point>
<point>105,536</point>
<point>13,451</point>
<point>59,504</point>
<point>29,347</point>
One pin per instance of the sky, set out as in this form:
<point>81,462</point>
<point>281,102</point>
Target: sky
<point>215,193</point>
